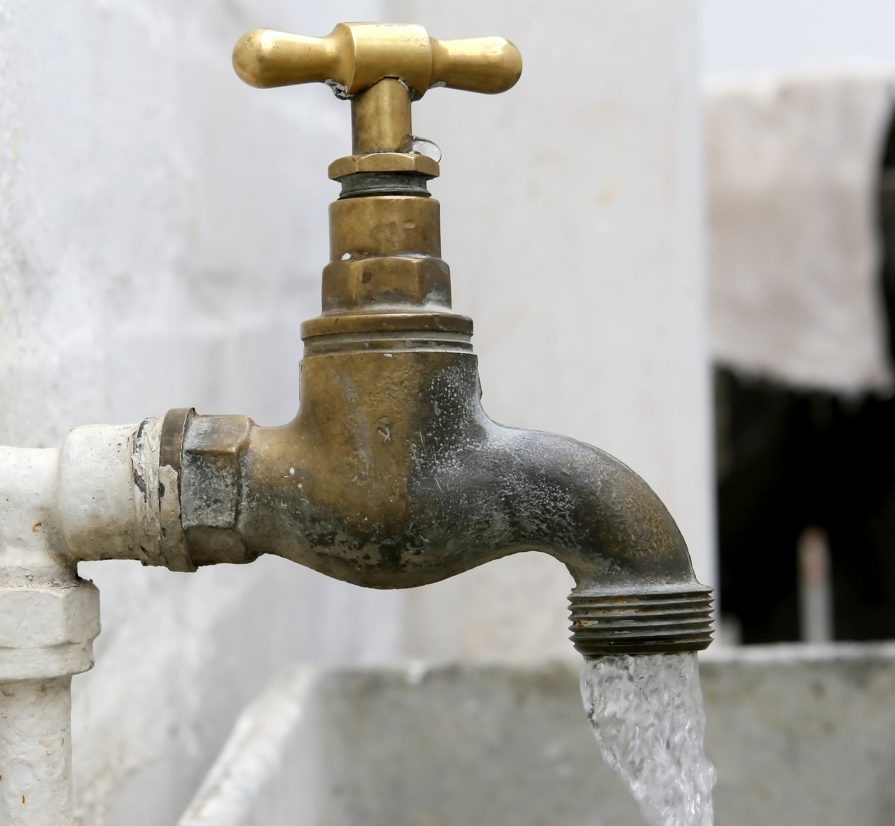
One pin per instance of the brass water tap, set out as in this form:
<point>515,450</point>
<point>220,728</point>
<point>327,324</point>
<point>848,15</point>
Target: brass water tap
<point>391,475</point>
<point>384,251</point>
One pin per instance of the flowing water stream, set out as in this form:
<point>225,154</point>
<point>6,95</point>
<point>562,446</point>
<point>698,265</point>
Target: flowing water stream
<point>647,716</point>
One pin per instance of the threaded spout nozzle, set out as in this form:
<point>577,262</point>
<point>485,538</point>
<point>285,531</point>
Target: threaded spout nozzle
<point>656,621</point>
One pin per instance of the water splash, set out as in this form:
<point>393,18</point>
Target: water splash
<point>648,718</point>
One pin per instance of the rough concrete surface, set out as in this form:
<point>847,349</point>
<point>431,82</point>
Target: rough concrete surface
<point>798,736</point>
<point>803,735</point>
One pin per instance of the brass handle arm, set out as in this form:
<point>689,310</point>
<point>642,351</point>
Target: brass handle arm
<point>356,56</point>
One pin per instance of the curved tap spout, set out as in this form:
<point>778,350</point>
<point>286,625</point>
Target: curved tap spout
<point>392,476</point>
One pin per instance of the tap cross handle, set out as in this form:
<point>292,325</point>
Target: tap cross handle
<point>356,56</point>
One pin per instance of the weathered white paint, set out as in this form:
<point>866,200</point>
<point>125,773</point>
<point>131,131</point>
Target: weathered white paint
<point>95,490</point>
<point>80,501</point>
<point>102,513</point>
<point>47,626</point>
<point>27,511</point>
<point>35,753</point>
<point>48,621</point>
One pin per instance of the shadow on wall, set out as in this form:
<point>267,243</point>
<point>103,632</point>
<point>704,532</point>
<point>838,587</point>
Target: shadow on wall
<point>805,412</point>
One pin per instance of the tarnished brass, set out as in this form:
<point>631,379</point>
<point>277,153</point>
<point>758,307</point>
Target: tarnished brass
<point>356,56</point>
<point>384,162</point>
<point>374,283</point>
<point>384,226</point>
<point>392,475</point>
<point>380,118</point>
<point>381,68</point>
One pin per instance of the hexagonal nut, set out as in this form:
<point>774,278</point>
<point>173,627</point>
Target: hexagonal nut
<point>384,162</point>
<point>370,283</point>
<point>210,472</point>
<point>45,616</point>
<point>392,226</point>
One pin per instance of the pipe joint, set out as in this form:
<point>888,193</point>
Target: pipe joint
<point>56,639</point>
<point>211,487</point>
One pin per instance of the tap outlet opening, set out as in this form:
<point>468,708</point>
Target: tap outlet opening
<point>668,620</point>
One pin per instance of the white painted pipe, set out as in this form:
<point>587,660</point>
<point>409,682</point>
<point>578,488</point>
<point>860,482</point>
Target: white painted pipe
<point>107,502</point>
<point>35,753</point>
<point>81,501</point>
<point>96,497</point>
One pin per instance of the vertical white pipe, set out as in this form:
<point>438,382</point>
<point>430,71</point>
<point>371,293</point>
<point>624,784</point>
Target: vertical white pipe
<point>35,753</point>
<point>35,714</point>
<point>48,616</point>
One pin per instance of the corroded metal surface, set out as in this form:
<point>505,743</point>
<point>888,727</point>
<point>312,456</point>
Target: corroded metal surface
<point>392,476</point>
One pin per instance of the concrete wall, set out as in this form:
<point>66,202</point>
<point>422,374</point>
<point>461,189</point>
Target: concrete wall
<point>798,735</point>
<point>162,228</point>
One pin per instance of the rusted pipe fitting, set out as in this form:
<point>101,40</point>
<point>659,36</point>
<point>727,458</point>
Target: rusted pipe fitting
<point>211,487</point>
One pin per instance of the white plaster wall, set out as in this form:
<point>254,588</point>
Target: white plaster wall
<point>162,228</point>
